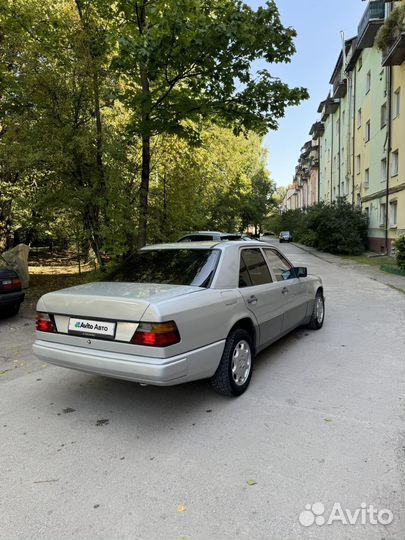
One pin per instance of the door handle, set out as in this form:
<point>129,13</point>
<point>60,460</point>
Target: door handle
<point>252,300</point>
<point>284,290</point>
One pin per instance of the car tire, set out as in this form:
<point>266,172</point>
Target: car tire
<point>234,372</point>
<point>318,312</point>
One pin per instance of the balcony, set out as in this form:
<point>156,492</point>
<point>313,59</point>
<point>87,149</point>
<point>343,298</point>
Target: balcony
<point>317,130</point>
<point>340,89</point>
<point>372,19</point>
<point>331,106</point>
<point>395,55</point>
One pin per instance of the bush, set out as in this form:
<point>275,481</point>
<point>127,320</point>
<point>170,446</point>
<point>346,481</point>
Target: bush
<point>336,227</point>
<point>400,251</point>
<point>293,221</point>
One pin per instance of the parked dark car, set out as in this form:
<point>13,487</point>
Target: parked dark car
<point>11,294</point>
<point>285,236</point>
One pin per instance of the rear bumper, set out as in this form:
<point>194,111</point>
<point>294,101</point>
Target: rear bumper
<point>11,298</point>
<point>198,364</point>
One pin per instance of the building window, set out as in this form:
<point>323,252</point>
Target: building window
<point>358,164</point>
<point>367,131</point>
<point>393,213</point>
<point>394,164</point>
<point>383,115</point>
<point>396,105</point>
<point>382,214</point>
<point>383,170</point>
<point>368,82</point>
<point>366,178</point>
<point>359,118</point>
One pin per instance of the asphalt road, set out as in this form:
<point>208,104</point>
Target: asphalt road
<point>86,457</point>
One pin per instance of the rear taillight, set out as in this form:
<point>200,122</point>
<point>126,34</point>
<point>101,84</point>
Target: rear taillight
<point>44,323</point>
<point>156,334</point>
<point>13,284</point>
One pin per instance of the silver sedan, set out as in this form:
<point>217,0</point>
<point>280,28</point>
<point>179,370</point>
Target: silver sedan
<point>174,313</point>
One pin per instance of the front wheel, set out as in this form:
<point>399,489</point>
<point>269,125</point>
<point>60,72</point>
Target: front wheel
<point>318,312</point>
<point>234,372</point>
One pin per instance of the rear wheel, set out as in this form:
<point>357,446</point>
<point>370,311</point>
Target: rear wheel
<point>318,312</point>
<point>235,368</point>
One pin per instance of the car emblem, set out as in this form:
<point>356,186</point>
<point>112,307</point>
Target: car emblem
<point>89,341</point>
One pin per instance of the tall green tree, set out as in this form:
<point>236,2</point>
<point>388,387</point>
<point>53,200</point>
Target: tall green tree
<point>192,60</point>
<point>54,70</point>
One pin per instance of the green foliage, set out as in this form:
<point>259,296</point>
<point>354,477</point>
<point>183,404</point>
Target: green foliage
<point>189,61</point>
<point>400,251</point>
<point>335,228</point>
<point>392,27</point>
<point>74,113</point>
<point>185,60</point>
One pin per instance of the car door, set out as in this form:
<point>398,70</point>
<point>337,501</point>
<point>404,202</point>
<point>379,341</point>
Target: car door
<point>294,289</point>
<point>263,296</point>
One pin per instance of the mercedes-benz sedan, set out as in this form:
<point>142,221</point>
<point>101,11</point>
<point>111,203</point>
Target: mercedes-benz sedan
<point>174,313</point>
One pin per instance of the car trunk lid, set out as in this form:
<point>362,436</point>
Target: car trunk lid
<point>110,300</point>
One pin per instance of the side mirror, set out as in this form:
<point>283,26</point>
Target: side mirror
<point>300,271</point>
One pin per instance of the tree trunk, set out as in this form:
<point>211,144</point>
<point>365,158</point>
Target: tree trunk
<point>94,65</point>
<point>144,192</point>
<point>92,226</point>
<point>99,132</point>
<point>164,201</point>
<point>146,136</point>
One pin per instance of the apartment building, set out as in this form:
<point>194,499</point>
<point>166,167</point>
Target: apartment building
<point>360,137</point>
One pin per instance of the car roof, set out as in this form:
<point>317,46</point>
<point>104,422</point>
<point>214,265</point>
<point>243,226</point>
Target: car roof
<point>206,245</point>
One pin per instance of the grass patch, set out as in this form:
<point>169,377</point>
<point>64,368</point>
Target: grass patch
<point>371,261</point>
<point>392,270</point>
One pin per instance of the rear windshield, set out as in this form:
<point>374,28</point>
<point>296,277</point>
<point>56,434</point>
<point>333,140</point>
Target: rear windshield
<point>172,266</point>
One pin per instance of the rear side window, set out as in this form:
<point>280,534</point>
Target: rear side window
<point>253,268</point>
<point>281,268</point>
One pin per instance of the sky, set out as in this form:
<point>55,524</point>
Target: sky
<point>318,24</point>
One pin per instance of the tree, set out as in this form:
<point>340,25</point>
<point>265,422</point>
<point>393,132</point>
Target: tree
<point>192,60</point>
<point>54,75</point>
